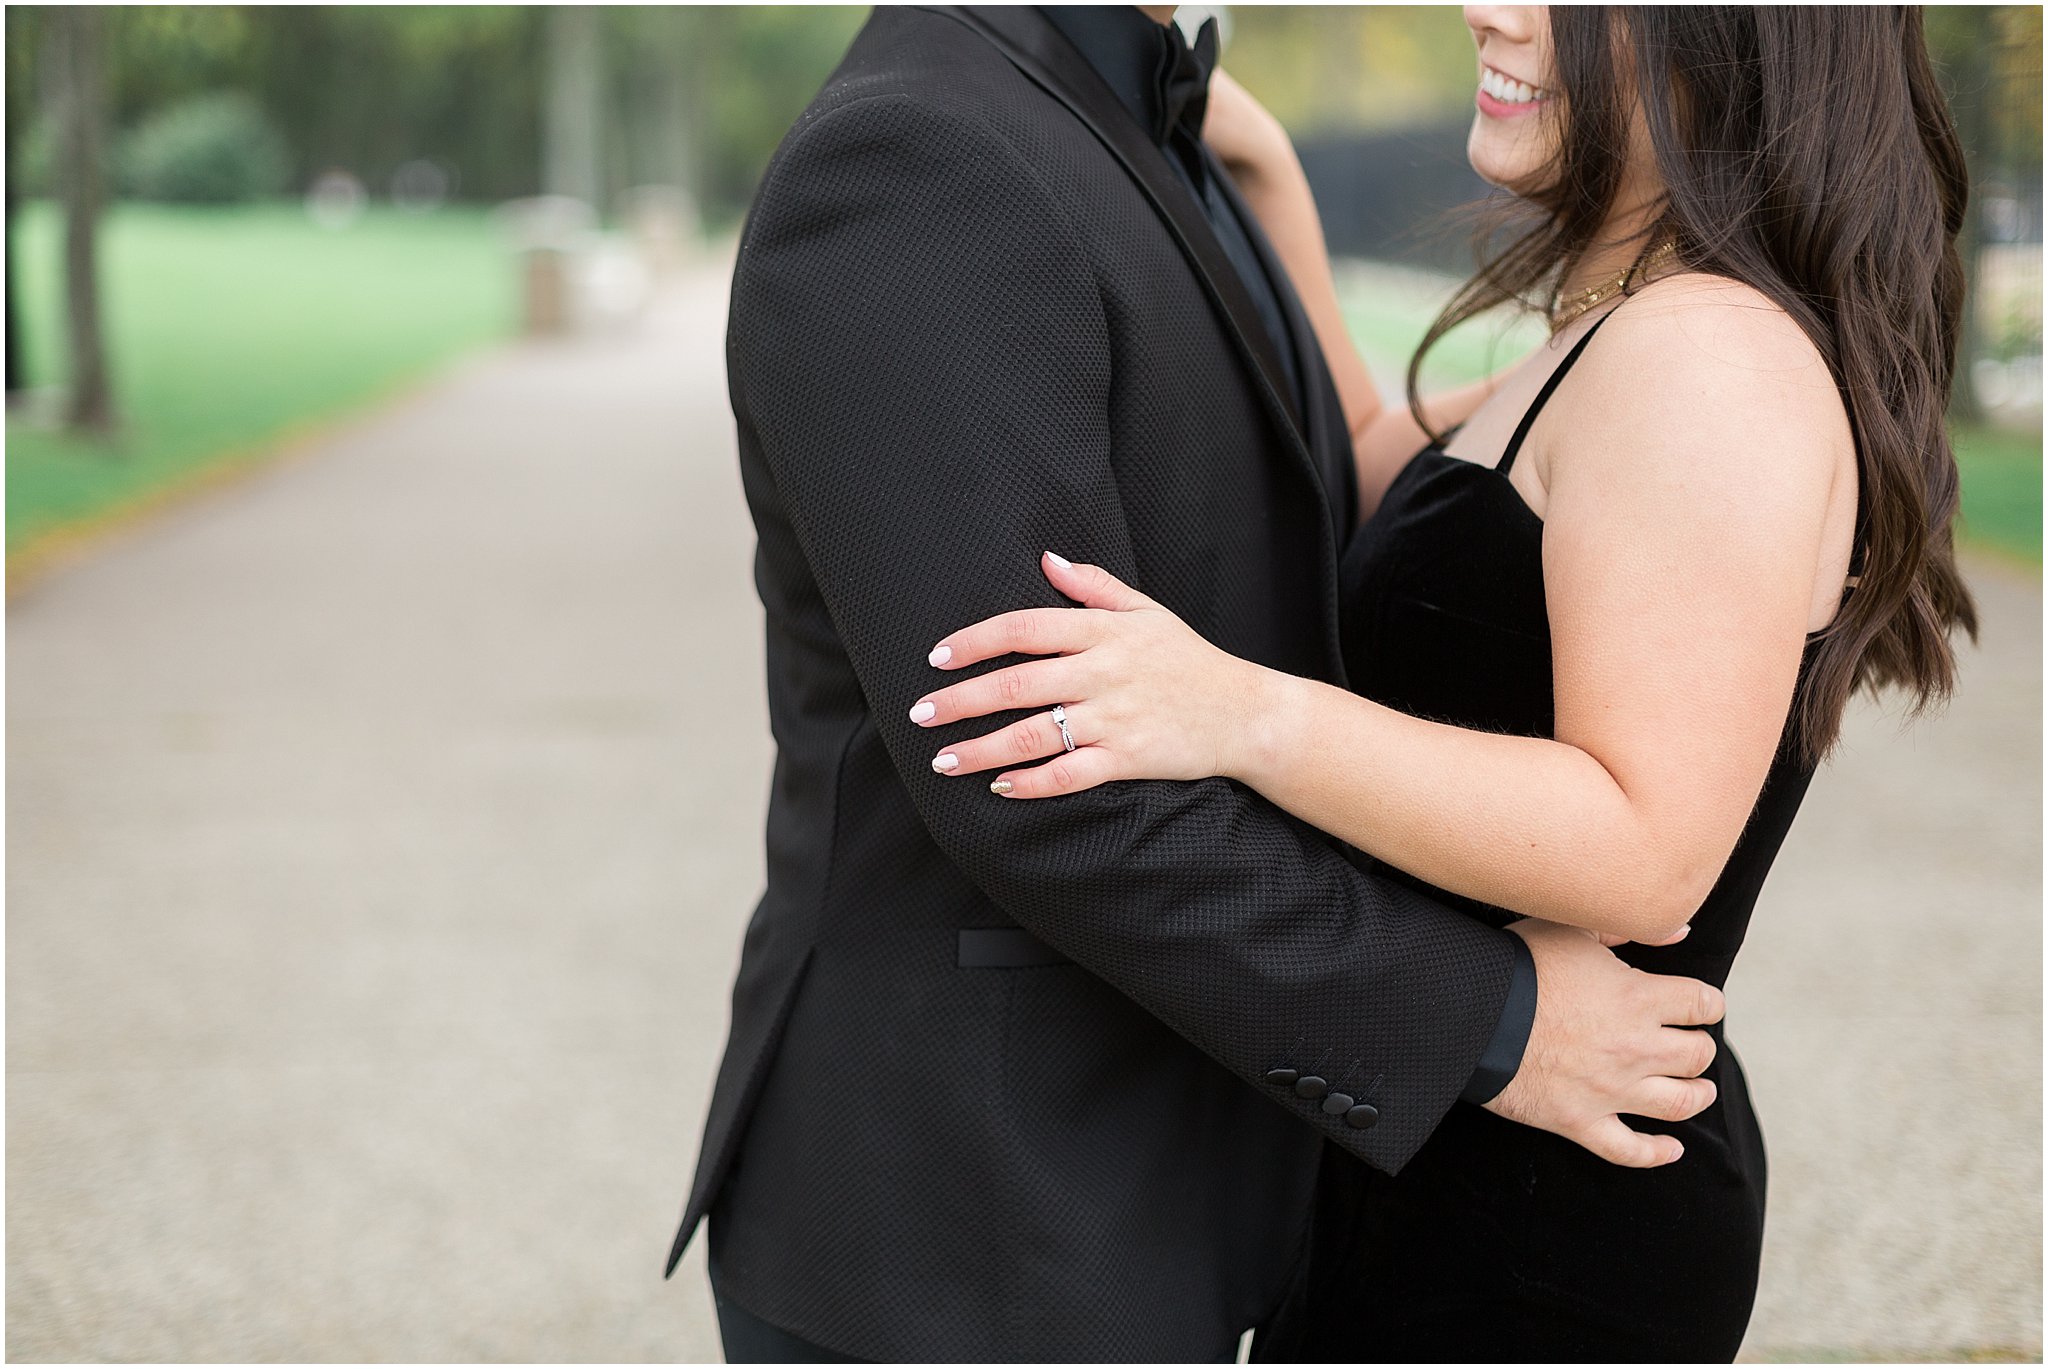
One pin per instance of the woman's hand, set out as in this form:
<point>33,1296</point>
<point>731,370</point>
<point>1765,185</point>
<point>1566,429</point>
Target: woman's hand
<point>1245,137</point>
<point>1145,696</point>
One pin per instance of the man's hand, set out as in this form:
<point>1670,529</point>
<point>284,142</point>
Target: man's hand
<point>1609,1039</point>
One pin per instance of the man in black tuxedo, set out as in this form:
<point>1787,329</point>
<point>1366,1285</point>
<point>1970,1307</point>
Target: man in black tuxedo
<point>1053,1080</point>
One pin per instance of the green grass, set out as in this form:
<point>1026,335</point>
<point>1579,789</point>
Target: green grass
<point>2001,490</point>
<point>1388,311</point>
<point>229,327</point>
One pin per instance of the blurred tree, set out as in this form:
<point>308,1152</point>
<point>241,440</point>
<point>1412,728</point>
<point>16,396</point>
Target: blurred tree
<point>1960,39</point>
<point>185,49</point>
<point>366,90</point>
<point>215,148</point>
<point>80,90</point>
<point>572,141</point>
<point>360,89</point>
<point>24,36</point>
<point>751,70</point>
<point>655,86</point>
<point>1373,67</point>
<point>700,94</point>
<point>1989,62</point>
<point>693,95</point>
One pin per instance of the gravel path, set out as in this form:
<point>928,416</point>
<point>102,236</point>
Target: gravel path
<point>382,829</point>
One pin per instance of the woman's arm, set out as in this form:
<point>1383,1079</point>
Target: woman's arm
<point>1256,151</point>
<point>1681,551</point>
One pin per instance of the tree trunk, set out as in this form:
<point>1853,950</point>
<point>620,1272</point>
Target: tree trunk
<point>668,116</point>
<point>17,381</point>
<point>20,111</point>
<point>89,408</point>
<point>572,154</point>
<point>1971,93</point>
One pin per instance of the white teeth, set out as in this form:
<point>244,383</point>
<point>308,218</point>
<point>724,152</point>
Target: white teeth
<point>1503,89</point>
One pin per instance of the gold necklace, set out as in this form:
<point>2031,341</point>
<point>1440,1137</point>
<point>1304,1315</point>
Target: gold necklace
<point>1561,315</point>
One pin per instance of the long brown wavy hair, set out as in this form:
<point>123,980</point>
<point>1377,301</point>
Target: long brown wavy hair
<point>1807,152</point>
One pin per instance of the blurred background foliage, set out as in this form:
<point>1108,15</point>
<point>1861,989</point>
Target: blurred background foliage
<point>287,92</point>
<point>368,89</point>
<point>229,131</point>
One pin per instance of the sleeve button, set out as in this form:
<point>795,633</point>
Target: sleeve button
<point>1362,1116</point>
<point>1281,1078</point>
<point>1337,1103</point>
<point>1311,1086</point>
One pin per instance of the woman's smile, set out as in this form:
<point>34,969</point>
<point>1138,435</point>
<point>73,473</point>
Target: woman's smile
<point>1501,96</point>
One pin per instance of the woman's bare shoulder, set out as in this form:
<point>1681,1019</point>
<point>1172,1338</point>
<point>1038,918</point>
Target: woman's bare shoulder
<point>1712,327</point>
<point>1701,391</point>
<point>1720,356</point>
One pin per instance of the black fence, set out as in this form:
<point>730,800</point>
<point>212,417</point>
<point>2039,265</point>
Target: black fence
<point>1396,196</point>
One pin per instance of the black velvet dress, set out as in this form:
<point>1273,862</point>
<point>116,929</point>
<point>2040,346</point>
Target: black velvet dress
<point>1498,1241</point>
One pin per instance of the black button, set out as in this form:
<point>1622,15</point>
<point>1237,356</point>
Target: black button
<point>1336,1103</point>
<point>1282,1078</point>
<point>1362,1116</point>
<point>1310,1086</point>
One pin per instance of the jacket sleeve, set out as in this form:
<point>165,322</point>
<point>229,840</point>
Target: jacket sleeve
<point>920,353</point>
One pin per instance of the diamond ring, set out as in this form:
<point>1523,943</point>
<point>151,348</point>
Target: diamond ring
<point>1059,717</point>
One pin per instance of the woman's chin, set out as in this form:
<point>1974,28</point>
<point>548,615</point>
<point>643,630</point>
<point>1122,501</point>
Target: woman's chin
<point>1490,168</point>
<point>1503,168</point>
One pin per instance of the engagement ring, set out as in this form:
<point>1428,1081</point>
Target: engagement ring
<point>1059,716</point>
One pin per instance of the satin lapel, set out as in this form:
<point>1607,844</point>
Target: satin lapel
<point>1043,54</point>
<point>1045,57</point>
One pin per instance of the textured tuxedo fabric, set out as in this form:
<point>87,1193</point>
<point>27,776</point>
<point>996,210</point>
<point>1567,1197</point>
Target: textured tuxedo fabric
<point>1162,81</point>
<point>964,332</point>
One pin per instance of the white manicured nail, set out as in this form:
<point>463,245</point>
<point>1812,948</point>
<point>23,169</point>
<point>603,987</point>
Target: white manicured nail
<point>1000,787</point>
<point>923,712</point>
<point>949,761</point>
<point>940,655</point>
<point>1062,562</point>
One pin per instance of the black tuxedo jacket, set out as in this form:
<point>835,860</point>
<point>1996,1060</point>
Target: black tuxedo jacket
<point>1041,1079</point>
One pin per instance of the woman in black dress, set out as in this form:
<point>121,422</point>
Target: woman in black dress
<point>1601,622</point>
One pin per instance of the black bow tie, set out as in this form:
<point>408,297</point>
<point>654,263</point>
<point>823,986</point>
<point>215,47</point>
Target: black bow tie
<point>1184,82</point>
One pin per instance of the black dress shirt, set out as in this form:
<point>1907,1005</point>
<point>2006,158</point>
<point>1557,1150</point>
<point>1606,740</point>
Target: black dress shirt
<point>1150,66</point>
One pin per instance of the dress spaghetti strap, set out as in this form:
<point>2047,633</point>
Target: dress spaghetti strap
<point>1514,447</point>
<point>1507,458</point>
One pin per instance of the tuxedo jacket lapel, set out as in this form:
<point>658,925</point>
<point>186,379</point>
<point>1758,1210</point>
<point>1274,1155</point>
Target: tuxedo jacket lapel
<point>1044,56</point>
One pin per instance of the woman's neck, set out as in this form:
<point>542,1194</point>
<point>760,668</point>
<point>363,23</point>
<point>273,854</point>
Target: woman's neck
<point>1621,240</point>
